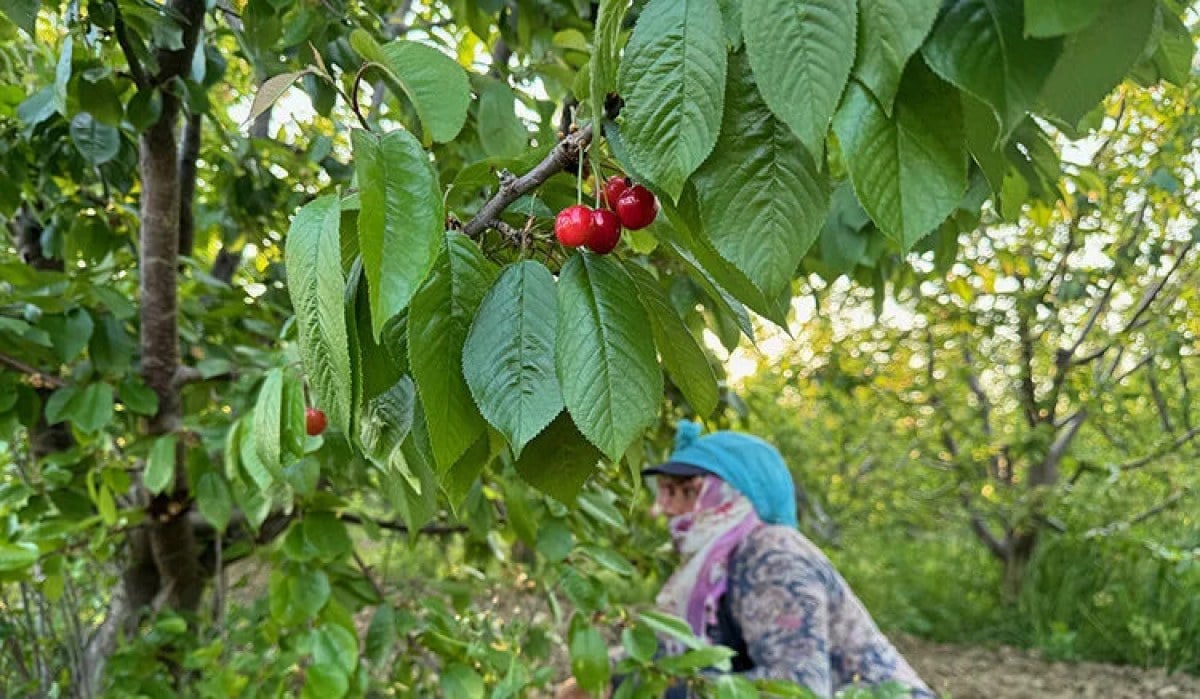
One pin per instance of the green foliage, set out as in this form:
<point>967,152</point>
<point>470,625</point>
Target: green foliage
<point>511,409</point>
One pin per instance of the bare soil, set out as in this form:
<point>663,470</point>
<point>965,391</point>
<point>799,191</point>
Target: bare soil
<point>1001,672</point>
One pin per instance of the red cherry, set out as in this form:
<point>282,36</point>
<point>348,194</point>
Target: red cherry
<point>314,421</point>
<point>606,232</point>
<point>613,189</point>
<point>573,225</point>
<point>637,208</point>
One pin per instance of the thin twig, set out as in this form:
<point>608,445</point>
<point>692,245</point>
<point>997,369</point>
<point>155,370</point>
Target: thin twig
<point>37,376</point>
<point>1158,453</point>
<point>135,64</point>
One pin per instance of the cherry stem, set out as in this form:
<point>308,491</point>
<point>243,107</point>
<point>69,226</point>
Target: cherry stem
<point>579,180</point>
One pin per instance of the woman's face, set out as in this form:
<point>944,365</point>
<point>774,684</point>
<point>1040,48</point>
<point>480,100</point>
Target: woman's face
<point>677,494</point>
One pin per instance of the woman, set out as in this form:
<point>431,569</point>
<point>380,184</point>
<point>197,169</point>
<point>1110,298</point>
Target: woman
<point>750,581</point>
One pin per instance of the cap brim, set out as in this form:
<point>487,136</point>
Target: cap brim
<point>674,468</point>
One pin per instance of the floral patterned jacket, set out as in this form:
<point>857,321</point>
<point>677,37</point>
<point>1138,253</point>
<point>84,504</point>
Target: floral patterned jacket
<point>792,616</point>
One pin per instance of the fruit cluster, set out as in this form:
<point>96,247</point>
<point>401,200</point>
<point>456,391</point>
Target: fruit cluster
<point>628,205</point>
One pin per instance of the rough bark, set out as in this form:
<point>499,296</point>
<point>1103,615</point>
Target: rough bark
<point>189,152</point>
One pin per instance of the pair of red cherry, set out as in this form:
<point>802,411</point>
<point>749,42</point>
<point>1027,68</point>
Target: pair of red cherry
<point>630,205</point>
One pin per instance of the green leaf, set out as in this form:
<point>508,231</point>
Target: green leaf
<point>268,419</point>
<point>734,687</point>
<point>890,31</point>
<point>843,240</point>
<point>609,559</point>
<point>334,644</point>
<point>1044,18</point>
<point>96,141</point>
<point>92,408</point>
<point>22,13</point>
<point>1095,60</point>
<point>762,198</point>
<point>555,541</point>
<point>102,100</point>
<point>293,423</point>
<point>716,657</point>
<point>144,108</point>
<point>1173,58</point>
<point>672,78</point>
<point>559,460</point>
<point>435,83</point>
<point>251,463</point>
<point>62,74</point>
<point>213,499</point>
<point>671,626</point>
<point>461,682</point>
<point>438,323</point>
<point>271,90</point>
<point>138,397</point>
<point>508,358</point>
<point>58,407</point>
<point>610,378</point>
<point>160,465</point>
<point>307,592</point>
<point>802,52</point>
<point>401,221</point>
<point>501,133</point>
<point>685,361</point>
<point>640,643</point>
<point>315,283</point>
<point>606,48</point>
<point>17,556</point>
<point>327,534</point>
<point>909,171</point>
<point>38,107</point>
<point>381,635</point>
<point>589,655</point>
<point>720,278</point>
<point>387,420</point>
<point>979,46</point>
<point>325,682</point>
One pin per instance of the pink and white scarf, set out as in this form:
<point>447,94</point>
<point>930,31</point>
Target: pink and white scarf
<point>705,538</point>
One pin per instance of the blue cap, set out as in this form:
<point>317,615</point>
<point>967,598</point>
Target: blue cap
<point>751,465</point>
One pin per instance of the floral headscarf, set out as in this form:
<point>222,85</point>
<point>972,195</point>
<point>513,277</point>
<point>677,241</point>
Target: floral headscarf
<point>705,537</point>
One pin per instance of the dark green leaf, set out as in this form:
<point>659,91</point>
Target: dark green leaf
<point>559,460</point>
<point>307,592</point>
<point>1096,59</point>
<point>401,211</point>
<point>610,378</point>
<point>435,83</point>
<point>334,644</point>
<point>589,656</point>
<point>213,499</point>
<point>554,541</point>
<point>1173,58</point>
<point>386,421</point>
<point>698,659</point>
<point>802,52</point>
<point>96,141</point>
<point>327,534</point>
<point>22,13</point>
<point>138,397</point>
<point>1045,18</point>
<point>268,422</point>
<point>314,280</point>
<point>461,682</point>
<point>92,408</point>
<point>501,132</point>
<point>672,78</point>
<point>160,465</point>
<point>909,171</point>
<point>17,556</point>
<point>381,635</point>
<point>685,361</point>
<point>508,358</point>
<point>762,198</point>
<point>890,31</point>
<point>438,323</point>
<point>325,682</point>
<point>69,332</point>
<point>980,47</point>
<point>606,47</point>
<point>144,108</point>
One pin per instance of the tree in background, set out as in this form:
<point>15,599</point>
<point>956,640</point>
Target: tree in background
<point>156,384</point>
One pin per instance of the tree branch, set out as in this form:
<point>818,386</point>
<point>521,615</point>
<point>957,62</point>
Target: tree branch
<point>564,154</point>
<point>189,152</point>
<point>1162,451</point>
<point>1046,473</point>
<point>37,378</point>
<point>431,529</point>
<point>135,65</point>
<point>1164,416</point>
<point>1140,517</point>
